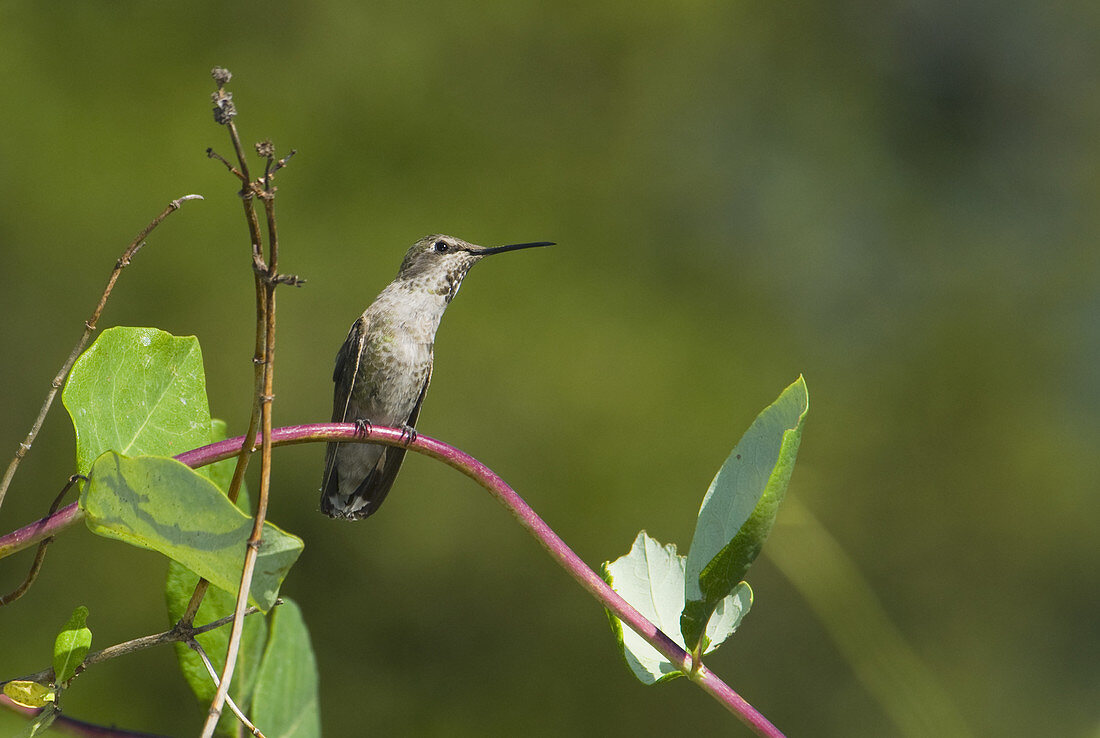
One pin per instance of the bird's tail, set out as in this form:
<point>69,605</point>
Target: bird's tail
<point>368,495</point>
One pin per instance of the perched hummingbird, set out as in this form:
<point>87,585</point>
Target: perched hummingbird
<point>384,367</point>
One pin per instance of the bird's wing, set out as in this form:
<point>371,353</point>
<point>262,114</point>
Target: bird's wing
<point>370,493</point>
<point>347,366</point>
<point>348,359</point>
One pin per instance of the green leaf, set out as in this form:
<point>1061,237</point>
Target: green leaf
<point>71,646</point>
<point>138,391</point>
<point>29,694</point>
<point>41,722</point>
<point>215,605</point>
<point>285,703</point>
<point>740,507</point>
<point>161,504</point>
<point>651,578</point>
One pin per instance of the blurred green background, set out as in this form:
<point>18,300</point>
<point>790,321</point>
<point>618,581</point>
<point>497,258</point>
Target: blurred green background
<point>897,200</point>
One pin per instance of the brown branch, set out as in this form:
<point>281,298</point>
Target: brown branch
<point>176,633</point>
<point>264,399</point>
<point>211,154</point>
<point>89,328</point>
<point>197,648</point>
<point>224,113</point>
<point>266,279</point>
<point>283,162</point>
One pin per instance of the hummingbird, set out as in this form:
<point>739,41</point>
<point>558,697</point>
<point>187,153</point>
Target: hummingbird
<point>385,365</point>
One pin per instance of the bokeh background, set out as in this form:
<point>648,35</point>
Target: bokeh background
<point>898,200</point>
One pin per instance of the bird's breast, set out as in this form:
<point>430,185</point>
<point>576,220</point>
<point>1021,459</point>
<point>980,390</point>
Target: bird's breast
<point>392,373</point>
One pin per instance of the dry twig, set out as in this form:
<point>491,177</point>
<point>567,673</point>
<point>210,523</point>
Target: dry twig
<point>176,633</point>
<point>89,328</point>
<point>197,648</point>
<point>267,278</point>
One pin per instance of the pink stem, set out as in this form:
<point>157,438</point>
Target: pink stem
<point>483,475</point>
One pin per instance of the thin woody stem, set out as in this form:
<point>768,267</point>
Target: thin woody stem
<point>46,676</point>
<point>89,328</point>
<point>265,279</point>
<point>197,648</point>
<point>265,399</point>
<point>224,112</point>
<point>222,77</point>
<point>210,153</point>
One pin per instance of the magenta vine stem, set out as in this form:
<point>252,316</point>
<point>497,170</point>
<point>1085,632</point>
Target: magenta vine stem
<point>72,726</point>
<point>483,475</point>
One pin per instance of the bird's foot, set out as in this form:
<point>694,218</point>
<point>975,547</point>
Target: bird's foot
<point>363,427</point>
<point>408,434</point>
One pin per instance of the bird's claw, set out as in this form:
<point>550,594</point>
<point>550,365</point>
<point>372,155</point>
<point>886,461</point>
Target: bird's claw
<point>363,427</point>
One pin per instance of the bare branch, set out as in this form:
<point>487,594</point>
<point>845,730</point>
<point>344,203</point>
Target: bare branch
<point>89,328</point>
<point>177,633</point>
<point>221,78</point>
<point>197,648</point>
<point>211,154</point>
<point>265,273</point>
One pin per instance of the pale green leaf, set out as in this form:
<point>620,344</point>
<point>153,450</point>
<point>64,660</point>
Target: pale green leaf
<point>29,694</point>
<point>71,646</point>
<point>727,616</point>
<point>740,507</point>
<point>138,391</point>
<point>651,578</point>
<point>160,504</point>
<point>286,700</point>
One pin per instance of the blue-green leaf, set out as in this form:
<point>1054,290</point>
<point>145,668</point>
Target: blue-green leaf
<point>138,391</point>
<point>651,578</point>
<point>740,507</point>
<point>286,701</point>
<point>161,504</point>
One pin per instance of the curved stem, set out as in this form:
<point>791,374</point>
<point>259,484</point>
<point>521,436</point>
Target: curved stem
<point>483,475</point>
<point>535,525</point>
<point>72,726</point>
<point>40,530</point>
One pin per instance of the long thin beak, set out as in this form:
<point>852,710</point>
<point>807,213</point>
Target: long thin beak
<point>512,247</point>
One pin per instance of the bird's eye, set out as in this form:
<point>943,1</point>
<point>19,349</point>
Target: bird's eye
<point>441,246</point>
